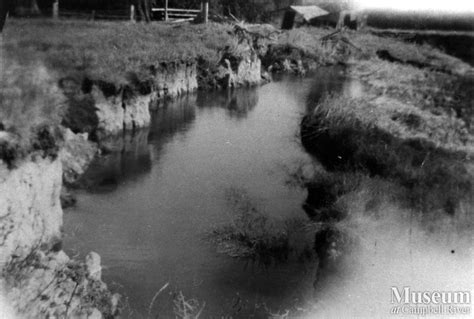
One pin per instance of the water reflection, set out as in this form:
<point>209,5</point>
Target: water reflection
<point>128,156</point>
<point>172,117</point>
<point>331,81</point>
<point>237,103</point>
<point>392,250</point>
<point>376,246</point>
<point>125,157</point>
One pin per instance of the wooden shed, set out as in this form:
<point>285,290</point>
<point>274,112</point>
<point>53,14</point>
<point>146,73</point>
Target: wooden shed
<point>306,12</point>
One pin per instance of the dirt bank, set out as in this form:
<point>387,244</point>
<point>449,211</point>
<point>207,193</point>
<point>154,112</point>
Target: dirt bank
<point>37,278</point>
<point>413,126</point>
<point>104,109</point>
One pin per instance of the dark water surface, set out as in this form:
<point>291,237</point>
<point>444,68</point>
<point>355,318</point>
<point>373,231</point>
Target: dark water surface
<point>151,201</point>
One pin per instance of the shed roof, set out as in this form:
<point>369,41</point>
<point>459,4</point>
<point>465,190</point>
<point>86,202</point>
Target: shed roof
<point>309,12</point>
<point>305,2</point>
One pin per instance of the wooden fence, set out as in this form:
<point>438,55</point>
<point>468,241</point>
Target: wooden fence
<point>125,14</point>
<point>169,13</point>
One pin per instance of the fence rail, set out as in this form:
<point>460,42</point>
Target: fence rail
<point>175,10</point>
<point>164,13</point>
<point>170,13</point>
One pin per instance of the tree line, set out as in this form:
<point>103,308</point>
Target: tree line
<point>250,10</point>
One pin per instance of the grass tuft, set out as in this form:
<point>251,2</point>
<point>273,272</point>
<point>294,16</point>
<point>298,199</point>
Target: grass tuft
<point>253,235</point>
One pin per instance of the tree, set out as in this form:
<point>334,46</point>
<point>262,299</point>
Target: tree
<point>6,6</point>
<point>26,7</point>
<point>143,9</point>
<point>20,7</point>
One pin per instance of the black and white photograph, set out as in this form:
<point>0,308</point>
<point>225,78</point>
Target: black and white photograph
<point>227,159</point>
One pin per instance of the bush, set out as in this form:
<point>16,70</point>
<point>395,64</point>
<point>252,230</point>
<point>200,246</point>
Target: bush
<point>30,109</point>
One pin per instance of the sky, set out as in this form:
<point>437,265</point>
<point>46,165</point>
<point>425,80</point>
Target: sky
<point>451,6</point>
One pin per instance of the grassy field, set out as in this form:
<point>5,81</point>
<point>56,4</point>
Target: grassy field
<point>413,126</point>
<point>109,50</point>
<point>351,46</point>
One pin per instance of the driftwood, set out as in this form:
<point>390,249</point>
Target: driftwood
<point>346,40</point>
<point>235,19</point>
<point>328,36</point>
<point>338,36</point>
<point>176,21</point>
<point>241,29</point>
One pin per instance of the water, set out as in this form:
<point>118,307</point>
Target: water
<point>150,202</point>
<point>153,198</point>
<point>396,249</point>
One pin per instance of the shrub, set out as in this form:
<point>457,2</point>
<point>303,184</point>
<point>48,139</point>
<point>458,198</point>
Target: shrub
<point>30,109</point>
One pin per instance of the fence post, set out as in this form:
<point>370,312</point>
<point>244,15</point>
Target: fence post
<point>206,11</point>
<point>132,13</point>
<point>166,10</point>
<point>55,9</point>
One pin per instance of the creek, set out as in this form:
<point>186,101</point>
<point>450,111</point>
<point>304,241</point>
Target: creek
<point>149,203</point>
